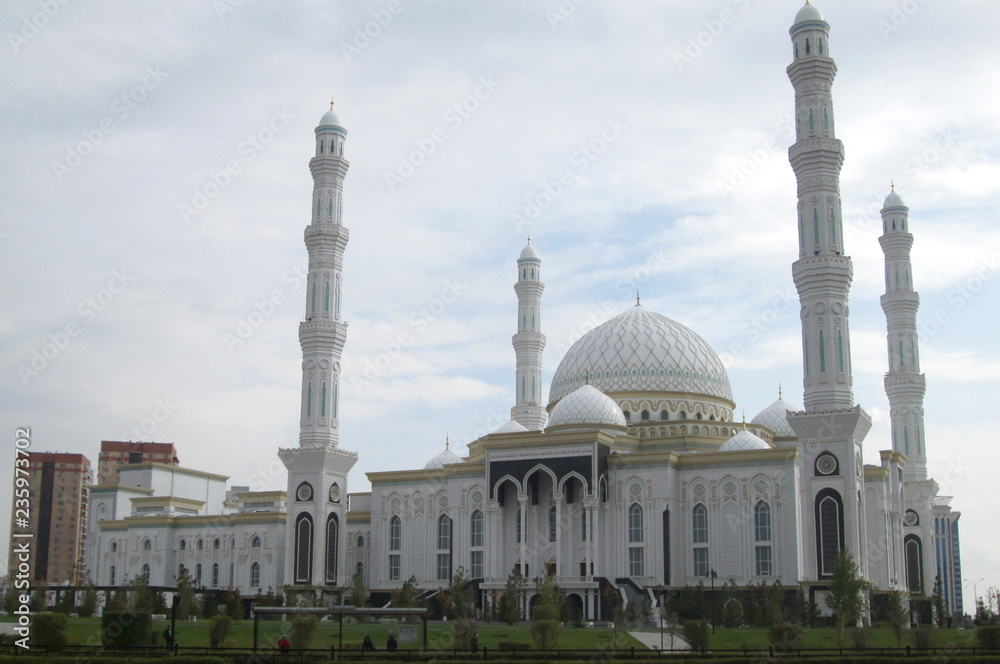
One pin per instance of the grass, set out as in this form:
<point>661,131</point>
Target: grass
<point>827,637</point>
<point>439,635</point>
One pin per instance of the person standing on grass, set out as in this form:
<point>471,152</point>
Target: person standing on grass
<point>284,645</point>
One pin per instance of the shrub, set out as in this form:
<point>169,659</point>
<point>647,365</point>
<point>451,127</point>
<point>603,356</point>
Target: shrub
<point>696,634</point>
<point>219,630</point>
<point>126,629</point>
<point>862,636</point>
<point>512,645</point>
<point>924,637</point>
<point>785,637</point>
<point>49,629</point>
<point>989,636</point>
<point>302,631</point>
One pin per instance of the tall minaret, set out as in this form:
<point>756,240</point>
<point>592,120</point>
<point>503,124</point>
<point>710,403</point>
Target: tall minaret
<point>529,342</point>
<point>322,334</point>
<point>904,384</point>
<point>822,273</point>
<point>315,532</point>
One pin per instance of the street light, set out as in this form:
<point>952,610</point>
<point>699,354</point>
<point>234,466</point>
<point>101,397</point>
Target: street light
<point>975,595</point>
<point>713,576</point>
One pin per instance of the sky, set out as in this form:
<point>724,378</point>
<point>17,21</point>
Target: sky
<point>155,187</point>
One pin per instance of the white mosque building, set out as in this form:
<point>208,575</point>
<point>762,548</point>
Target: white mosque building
<point>634,475</point>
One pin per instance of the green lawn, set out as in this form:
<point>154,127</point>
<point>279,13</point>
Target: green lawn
<point>826,637</point>
<point>439,635</point>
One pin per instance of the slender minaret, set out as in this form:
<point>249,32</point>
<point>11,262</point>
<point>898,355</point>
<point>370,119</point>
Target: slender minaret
<point>904,384</point>
<point>322,334</point>
<point>822,273</point>
<point>529,342</point>
<point>315,532</point>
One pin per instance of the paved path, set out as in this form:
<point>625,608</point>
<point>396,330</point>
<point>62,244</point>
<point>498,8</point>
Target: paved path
<point>652,640</point>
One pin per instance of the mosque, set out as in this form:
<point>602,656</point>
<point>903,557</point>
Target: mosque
<point>635,475</point>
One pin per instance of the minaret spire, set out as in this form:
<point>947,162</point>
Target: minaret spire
<point>322,334</point>
<point>529,342</point>
<point>904,384</point>
<point>823,272</point>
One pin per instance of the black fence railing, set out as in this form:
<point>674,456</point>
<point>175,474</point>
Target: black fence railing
<point>304,655</point>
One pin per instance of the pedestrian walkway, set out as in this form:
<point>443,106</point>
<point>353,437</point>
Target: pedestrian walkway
<point>652,640</point>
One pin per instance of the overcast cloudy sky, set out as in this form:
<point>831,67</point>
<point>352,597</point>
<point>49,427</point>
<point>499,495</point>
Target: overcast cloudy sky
<point>155,186</point>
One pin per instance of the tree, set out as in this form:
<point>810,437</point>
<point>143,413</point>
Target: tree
<point>897,616</point>
<point>357,594</point>
<point>616,612</point>
<point>545,617</point>
<point>233,603</point>
<point>219,629</point>
<point>460,607</point>
<point>11,600</point>
<point>844,594</point>
<point>303,630</point>
<point>89,602</point>
<point>140,597</point>
<point>938,602</point>
<point>405,597</point>
<point>186,605</point>
<point>512,598</point>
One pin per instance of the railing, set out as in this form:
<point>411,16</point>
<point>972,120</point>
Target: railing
<point>303,655</point>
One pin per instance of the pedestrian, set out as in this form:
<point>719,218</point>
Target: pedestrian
<point>367,643</point>
<point>284,645</point>
<point>474,643</point>
<point>390,643</point>
<point>168,637</point>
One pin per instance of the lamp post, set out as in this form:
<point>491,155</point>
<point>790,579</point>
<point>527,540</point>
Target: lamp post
<point>713,576</point>
<point>975,596</point>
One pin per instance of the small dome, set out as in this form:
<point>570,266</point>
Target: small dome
<point>528,252</point>
<point>893,200</point>
<point>442,459</point>
<point>511,427</point>
<point>744,440</point>
<point>808,13</point>
<point>330,119</point>
<point>587,405</point>
<point>775,417</point>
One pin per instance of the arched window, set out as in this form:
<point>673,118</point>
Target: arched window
<point>145,573</point>
<point>395,534</point>
<point>519,525</point>
<point>232,571</point>
<point>322,399</point>
<point>336,302</point>
<point>200,544</point>
<point>762,522</point>
<point>147,545</point>
<point>822,352</point>
<point>215,575</point>
<point>197,575</point>
<point>826,121</point>
<point>906,440</point>
<point>553,523</point>
<point>913,549</point>
<point>359,569</point>
<point>444,548</point>
<point>476,528</point>
<point>216,543</point>
<point>254,542</point>
<point>635,528</point>
<point>182,545</point>
<point>829,529</point>
<point>807,46</point>
<point>111,576</point>
<point>805,350</point>
<point>840,351</point>
<point>360,542</point>
<point>833,221</point>
<point>326,296</point>
<point>583,525</point>
<point>699,524</point>
<point>114,546</point>
<point>815,211</point>
<point>902,362</point>
<point>812,120</point>
<point>309,400</point>
<point>684,415</point>
<point>255,575</point>
<point>312,306</point>
<point>664,415</point>
<point>303,548</point>
<point>820,45</point>
<point>332,540</point>
<point>644,415</point>
<point>628,415</point>
<point>532,388</point>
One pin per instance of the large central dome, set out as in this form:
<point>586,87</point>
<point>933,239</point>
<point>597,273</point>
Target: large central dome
<point>641,351</point>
